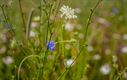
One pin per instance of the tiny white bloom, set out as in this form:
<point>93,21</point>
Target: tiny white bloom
<point>68,62</point>
<point>89,48</point>
<point>34,24</point>
<point>8,60</point>
<point>125,36</point>
<point>69,26</point>
<point>124,49</point>
<point>105,69</point>
<point>96,57</point>
<point>67,12</point>
<point>33,34</point>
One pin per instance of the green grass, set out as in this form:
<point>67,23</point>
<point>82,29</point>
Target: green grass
<point>92,46</point>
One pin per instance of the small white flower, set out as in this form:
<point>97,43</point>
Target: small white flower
<point>105,69</point>
<point>124,49</point>
<point>96,57</point>
<point>8,60</point>
<point>33,34</point>
<point>125,36</point>
<point>67,12</point>
<point>34,24</point>
<point>89,48</point>
<point>68,62</point>
<point>69,26</point>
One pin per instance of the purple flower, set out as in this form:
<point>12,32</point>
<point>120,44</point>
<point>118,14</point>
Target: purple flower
<point>51,45</point>
<point>7,25</point>
<point>115,10</point>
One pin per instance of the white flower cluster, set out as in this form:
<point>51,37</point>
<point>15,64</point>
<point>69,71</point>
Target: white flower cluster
<point>67,12</point>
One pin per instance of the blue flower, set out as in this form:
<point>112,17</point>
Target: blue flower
<point>7,25</point>
<point>51,45</point>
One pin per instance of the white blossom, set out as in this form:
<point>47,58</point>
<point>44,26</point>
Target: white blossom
<point>125,36</point>
<point>67,12</point>
<point>96,57</point>
<point>69,26</point>
<point>8,60</point>
<point>105,69</point>
<point>33,34</point>
<point>68,62</point>
<point>89,48</point>
<point>124,49</point>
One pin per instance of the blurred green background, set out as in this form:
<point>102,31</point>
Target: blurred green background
<point>103,59</point>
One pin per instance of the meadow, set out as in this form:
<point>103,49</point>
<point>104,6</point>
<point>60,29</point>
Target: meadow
<point>63,39</point>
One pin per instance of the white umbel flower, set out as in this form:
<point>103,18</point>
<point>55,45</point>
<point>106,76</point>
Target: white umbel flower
<point>67,12</point>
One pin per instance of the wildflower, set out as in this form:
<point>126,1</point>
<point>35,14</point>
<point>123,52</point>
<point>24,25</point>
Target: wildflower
<point>7,25</point>
<point>125,36</point>
<point>69,26</point>
<point>115,10</point>
<point>105,69</point>
<point>67,12</point>
<point>34,24</point>
<point>68,62</point>
<point>33,34</point>
<point>96,57</point>
<point>51,45</point>
<point>124,49</point>
<point>8,60</point>
<point>89,48</point>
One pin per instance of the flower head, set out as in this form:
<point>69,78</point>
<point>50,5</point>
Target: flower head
<point>105,69</point>
<point>7,25</point>
<point>67,12</point>
<point>51,45</point>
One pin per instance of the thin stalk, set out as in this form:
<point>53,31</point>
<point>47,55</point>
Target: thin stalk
<point>28,28</point>
<point>19,68</point>
<point>6,20</point>
<point>22,15</point>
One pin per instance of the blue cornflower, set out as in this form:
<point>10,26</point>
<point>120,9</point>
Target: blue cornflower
<point>51,45</point>
<point>7,25</point>
<point>115,10</point>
